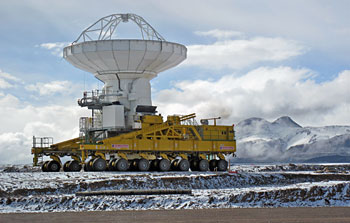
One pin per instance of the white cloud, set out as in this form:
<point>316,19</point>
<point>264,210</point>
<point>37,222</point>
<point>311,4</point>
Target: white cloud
<point>20,121</point>
<point>7,80</point>
<point>8,101</point>
<point>15,148</point>
<point>240,53</point>
<point>55,48</point>
<point>220,34</point>
<point>8,76</point>
<point>264,92</point>
<point>50,88</point>
<point>5,84</point>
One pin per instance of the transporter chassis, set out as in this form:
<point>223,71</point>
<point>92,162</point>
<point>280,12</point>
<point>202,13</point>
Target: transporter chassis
<point>178,144</point>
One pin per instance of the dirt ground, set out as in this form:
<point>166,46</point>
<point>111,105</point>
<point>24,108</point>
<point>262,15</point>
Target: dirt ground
<point>237,215</point>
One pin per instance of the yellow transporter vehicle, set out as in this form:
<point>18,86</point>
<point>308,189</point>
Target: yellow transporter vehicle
<point>124,131</point>
<point>176,144</point>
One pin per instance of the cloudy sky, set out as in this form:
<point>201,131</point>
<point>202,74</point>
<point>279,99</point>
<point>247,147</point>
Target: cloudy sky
<point>245,59</point>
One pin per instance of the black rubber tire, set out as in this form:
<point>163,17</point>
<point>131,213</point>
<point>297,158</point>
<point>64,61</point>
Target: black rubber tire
<point>143,165</point>
<point>122,165</point>
<point>74,166</point>
<point>65,166</point>
<point>53,166</point>
<point>99,164</point>
<point>222,165</point>
<point>89,165</point>
<point>85,167</point>
<point>164,165</point>
<point>203,165</point>
<point>213,164</point>
<point>154,166</point>
<point>44,166</point>
<point>133,164</point>
<point>194,165</point>
<point>184,165</point>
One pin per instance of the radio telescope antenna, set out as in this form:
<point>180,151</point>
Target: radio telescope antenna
<point>125,66</point>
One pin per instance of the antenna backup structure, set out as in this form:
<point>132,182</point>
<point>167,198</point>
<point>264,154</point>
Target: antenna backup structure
<point>125,66</point>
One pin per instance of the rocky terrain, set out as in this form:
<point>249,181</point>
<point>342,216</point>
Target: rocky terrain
<point>284,185</point>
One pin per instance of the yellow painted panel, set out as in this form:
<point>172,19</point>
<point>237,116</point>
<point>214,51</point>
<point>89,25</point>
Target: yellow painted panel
<point>144,144</point>
<point>122,145</point>
<point>164,145</point>
<point>218,133</point>
<point>185,145</point>
<point>204,146</point>
<point>225,146</point>
<point>154,119</point>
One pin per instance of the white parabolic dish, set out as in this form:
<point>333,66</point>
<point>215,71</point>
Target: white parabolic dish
<point>144,57</point>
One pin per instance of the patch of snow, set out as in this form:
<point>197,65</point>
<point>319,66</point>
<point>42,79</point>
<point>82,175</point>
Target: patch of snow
<point>270,185</point>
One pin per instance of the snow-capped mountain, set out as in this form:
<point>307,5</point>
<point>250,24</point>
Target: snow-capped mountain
<point>285,140</point>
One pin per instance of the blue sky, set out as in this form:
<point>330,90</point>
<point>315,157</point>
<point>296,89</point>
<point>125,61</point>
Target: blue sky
<point>245,58</point>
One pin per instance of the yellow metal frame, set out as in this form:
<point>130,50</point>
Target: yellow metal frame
<point>167,139</point>
<point>68,144</point>
<point>202,156</point>
<point>56,158</point>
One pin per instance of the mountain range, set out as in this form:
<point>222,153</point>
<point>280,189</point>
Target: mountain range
<point>284,140</point>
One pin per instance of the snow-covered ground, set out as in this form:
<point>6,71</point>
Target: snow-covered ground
<point>24,190</point>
